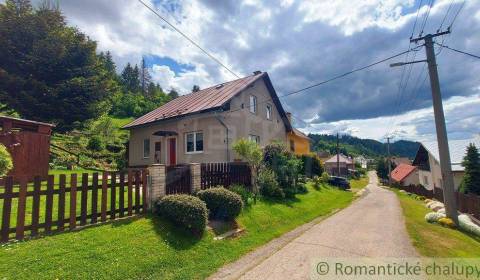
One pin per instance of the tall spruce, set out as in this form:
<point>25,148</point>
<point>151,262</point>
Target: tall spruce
<point>145,79</point>
<point>471,178</point>
<point>49,71</point>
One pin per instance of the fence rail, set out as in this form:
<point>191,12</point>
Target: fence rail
<point>54,206</point>
<point>225,174</point>
<point>466,203</point>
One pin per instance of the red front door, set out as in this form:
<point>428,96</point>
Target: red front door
<point>172,151</point>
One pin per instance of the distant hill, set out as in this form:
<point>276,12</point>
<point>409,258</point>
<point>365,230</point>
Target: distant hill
<point>354,146</point>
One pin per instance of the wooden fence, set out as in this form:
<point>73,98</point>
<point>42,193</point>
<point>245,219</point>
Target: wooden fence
<point>178,179</point>
<point>466,203</point>
<point>225,174</point>
<point>54,206</point>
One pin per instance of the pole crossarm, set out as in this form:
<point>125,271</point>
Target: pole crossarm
<point>415,40</point>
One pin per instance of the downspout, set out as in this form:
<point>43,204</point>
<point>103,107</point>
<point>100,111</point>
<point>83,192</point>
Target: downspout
<point>226,133</point>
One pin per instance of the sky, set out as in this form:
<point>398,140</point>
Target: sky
<point>300,43</point>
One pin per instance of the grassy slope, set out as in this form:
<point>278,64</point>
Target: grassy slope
<point>433,240</point>
<point>358,184</point>
<point>152,248</point>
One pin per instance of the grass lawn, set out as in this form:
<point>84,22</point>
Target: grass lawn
<point>358,184</point>
<point>433,240</point>
<point>152,248</point>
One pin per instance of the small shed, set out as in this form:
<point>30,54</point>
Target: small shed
<point>29,144</point>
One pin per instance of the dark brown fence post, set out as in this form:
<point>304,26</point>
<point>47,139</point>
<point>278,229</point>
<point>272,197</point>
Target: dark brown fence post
<point>104,196</point>
<point>121,199</point>
<point>83,202</point>
<point>73,201</point>
<point>137,192</point>
<point>61,203</point>
<point>113,196</point>
<point>129,192</point>
<point>7,208</point>
<point>37,182</point>
<point>94,198</point>
<point>22,198</point>
<point>49,204</point>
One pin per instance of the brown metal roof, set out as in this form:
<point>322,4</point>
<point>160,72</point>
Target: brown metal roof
<point>196,102</point>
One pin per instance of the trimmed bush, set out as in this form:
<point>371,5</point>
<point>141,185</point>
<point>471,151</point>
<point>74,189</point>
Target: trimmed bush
<point>242,191</point>
<point>301,187</point>
<point>433,217</point>
<point>95,143</point>
<point>186,211</point>
<point>446,222</point>
<point>6,163</point>
<point>222,203</point>
<point>311,165</point>
<point>267,180</point>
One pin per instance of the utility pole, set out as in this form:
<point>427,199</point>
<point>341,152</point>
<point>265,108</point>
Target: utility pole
<point>442,139</point>
<point>389,162</point>
<point>338,157</point>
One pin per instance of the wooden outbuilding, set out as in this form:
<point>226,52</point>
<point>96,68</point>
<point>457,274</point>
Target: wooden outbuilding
<point>29,145</point>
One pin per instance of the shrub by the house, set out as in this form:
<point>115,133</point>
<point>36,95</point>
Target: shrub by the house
<point>186,211</point>
<point>222,203</point>
<point>6,163</point>
<point>242,191</point>
<point>311,165</point>
<point>267,181</point>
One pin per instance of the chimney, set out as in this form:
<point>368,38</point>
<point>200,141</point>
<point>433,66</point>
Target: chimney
<point>289,117</point>
<point>257,72</point>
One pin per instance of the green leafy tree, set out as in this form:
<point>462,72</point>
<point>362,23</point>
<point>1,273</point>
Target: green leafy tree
<point>173,94</point>
<point>6,163</point>
<point>252,154</point>
<point>471,179</point>
<point>382,168</point>
<point>195,88</point>
<point>48,70</point>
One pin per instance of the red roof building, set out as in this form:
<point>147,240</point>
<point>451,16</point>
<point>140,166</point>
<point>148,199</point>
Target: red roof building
<point>405,174</point>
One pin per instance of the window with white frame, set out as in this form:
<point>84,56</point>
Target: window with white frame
<point>425,180</point>
<point>269,111</point>
<point>254,138</point>
<point>253,104</point>
<point>146,148</point>
<point>194,142</point>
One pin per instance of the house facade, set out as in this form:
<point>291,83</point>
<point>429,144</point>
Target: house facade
<point>406,175</point>
<point>344,164</point>
<point>297,141</point>
<point>201,126</point>
<point>428,163</point>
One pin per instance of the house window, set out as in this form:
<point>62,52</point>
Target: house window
<point>292,145</point>
<point>194,142</point>
<point>425,180</point>
<point>146,148</point>
<point>253,104</point>
<point>269,111</point>
<point>254,138</point>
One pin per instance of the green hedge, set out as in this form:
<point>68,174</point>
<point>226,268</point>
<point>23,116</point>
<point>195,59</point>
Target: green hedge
<point>185,211</point>
<point>222,203</point>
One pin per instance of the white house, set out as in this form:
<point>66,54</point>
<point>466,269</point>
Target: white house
<point>428,163</point>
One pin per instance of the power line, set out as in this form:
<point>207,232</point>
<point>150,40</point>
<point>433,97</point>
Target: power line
<point>459,51</point>
<point>425,19</point>
<point>188,38</point>
<point>416,18</point>
<point>446,15</point>
<point>456,15</point>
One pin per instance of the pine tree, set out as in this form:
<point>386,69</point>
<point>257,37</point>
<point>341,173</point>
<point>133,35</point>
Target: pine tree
<point>471,178</point>
<point>130,78</point>
<point>195,88</point>
<point>173,94</point>
<point>145,79</point>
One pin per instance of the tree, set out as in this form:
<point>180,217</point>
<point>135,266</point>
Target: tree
<point>6,163</point>
<point>471,178</point>
<point>48,70</point>
<point>173,94</point>
<point>130,78</point>
<point>195,88</point>
<point>252,154</point>
<point>382,168</point>
<point>145,78</point>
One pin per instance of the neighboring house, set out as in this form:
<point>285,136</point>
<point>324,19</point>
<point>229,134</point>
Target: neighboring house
<point>396,161</point>
<point>427,161</point>
<point>201,126</point>
<point>363,161</point>
<point>345,164</point>
<point>297,141</point>
<point>405,175</point>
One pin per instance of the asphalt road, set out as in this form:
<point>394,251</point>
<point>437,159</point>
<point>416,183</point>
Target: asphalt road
<point>373,226</point>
